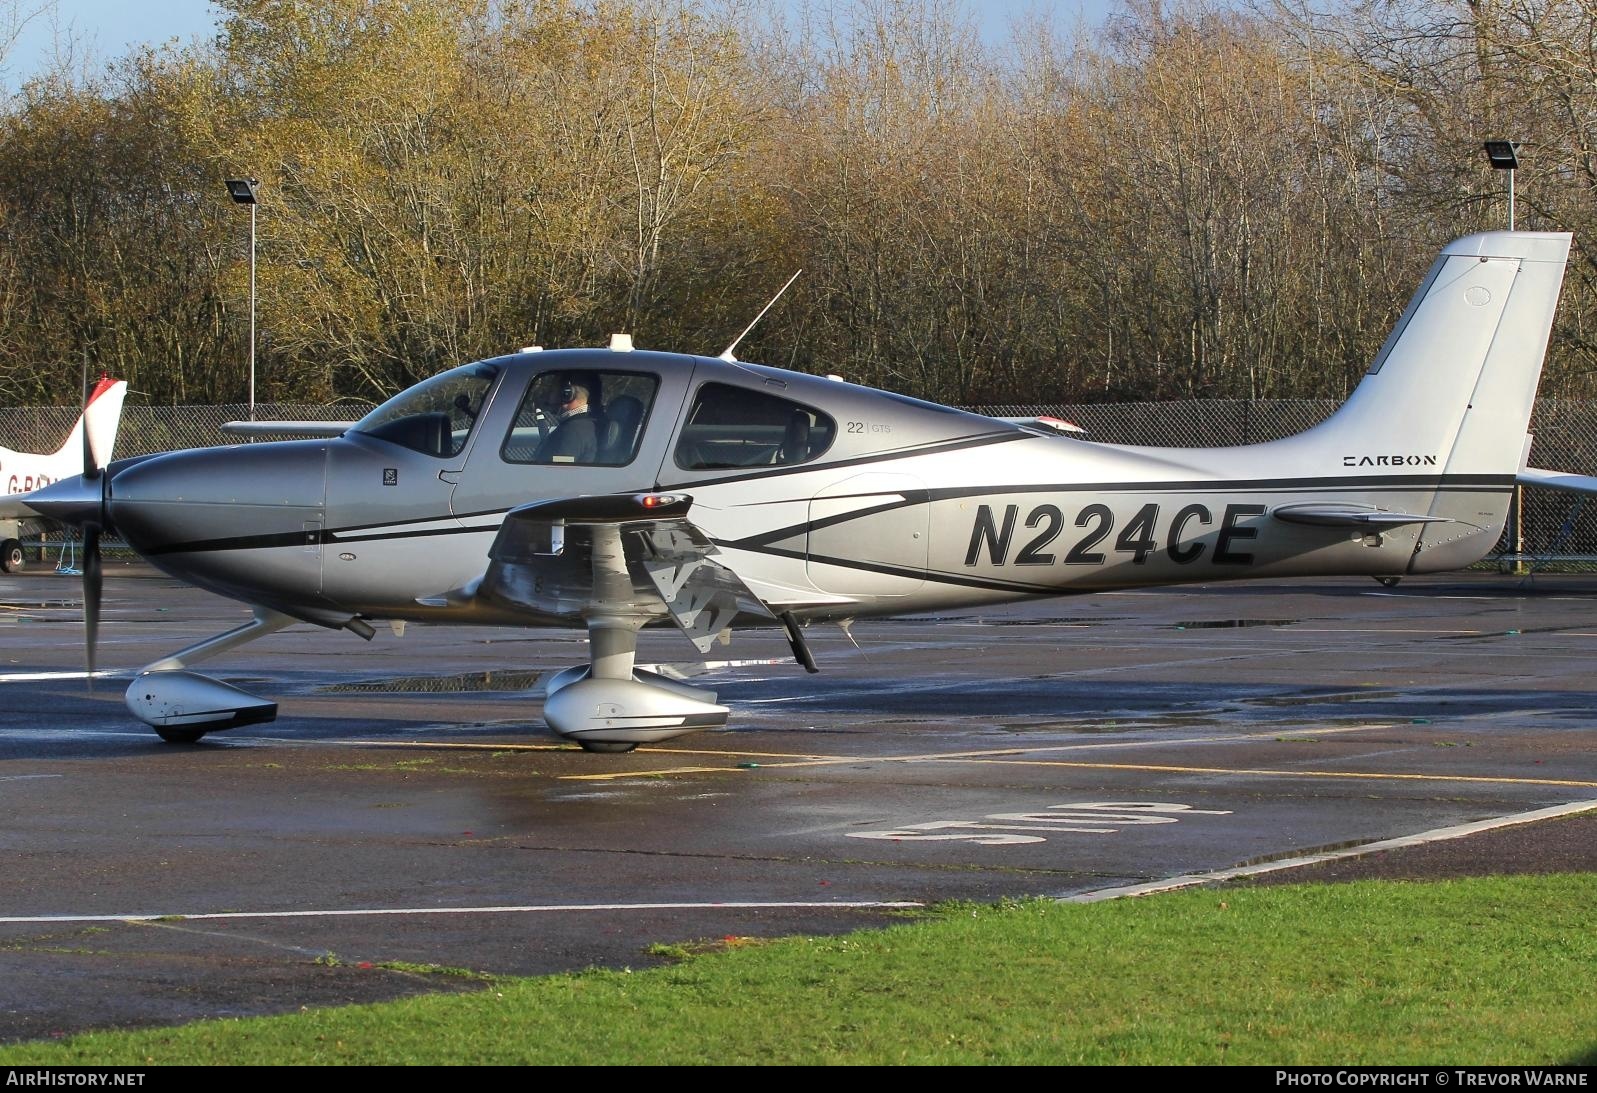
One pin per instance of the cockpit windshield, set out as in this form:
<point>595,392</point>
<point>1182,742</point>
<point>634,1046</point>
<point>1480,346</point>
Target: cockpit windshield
<point>434,417</point>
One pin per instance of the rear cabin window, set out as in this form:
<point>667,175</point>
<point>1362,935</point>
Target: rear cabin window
<point>581,416</point>
<point>734,427</point>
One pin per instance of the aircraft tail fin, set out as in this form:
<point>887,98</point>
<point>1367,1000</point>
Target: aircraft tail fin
<point>1445,408</point>
<point>1450,393</point>
<point>102,415</point>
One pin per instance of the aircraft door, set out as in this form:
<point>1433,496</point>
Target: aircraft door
<point>389,486</point>
<point>597,425</point>
<point>869,535</point>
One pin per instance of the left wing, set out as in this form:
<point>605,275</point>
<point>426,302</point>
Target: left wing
<point>634,556</point>
<point>286,428</point>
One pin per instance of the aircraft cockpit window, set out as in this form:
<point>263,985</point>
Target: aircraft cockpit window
<point>434,417</point>
<point>581,416</point>
<point>734,427</point>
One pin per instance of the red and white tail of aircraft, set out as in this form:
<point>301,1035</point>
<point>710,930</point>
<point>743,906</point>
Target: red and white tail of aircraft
<point>24,472</point>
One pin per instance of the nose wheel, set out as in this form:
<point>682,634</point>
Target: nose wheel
<point>178,736</point>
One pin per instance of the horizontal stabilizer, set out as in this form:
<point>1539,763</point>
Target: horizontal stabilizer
<point>1558,480</point>
<point>14,508</point>
<point>1047,424</point>
<point>1335,515</point>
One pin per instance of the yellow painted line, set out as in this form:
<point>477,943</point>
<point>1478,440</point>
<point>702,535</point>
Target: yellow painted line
<point>1375,630</point>
<point>945,756</point>
<point>1299,773</point>
<point>433,745</point>
<point>572,746</point>
<point>996,756</point>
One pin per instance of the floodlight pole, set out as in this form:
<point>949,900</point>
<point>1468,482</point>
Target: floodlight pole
<point>1503,156</point>
<point>1511,198</point>
<point>253,298</point>
<point>242,191</point>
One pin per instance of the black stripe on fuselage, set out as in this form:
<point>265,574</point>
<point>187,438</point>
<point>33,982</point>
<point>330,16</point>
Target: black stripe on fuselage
<point>907,498</point>
<point>907,571</point>
<point>364,533</point>
<point>304,538</point>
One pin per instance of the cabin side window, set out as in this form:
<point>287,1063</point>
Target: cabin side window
<point>735,427</point>
<point>581,416</point>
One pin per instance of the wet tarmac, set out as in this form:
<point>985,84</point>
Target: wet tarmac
<point>408,824</point>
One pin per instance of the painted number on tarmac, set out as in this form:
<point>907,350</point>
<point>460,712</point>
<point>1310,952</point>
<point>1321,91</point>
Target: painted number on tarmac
<point>1014,828</point>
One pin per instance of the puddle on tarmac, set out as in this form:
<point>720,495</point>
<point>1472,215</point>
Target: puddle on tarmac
<point>978,620</point>
<point>1227,624</point>
<point>1106,726</point>
<point>1077,620</point>
<point>515,680</point>
<point>1331,697</point>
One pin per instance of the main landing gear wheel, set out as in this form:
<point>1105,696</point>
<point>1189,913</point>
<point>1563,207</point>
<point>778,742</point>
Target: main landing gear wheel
<point>1389,582</point>
<point>11,559</point>
<point>606,747</point>
<point>178,736</point>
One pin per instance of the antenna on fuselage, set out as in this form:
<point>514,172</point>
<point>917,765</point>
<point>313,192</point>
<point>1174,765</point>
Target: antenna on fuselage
<point>726,354</point>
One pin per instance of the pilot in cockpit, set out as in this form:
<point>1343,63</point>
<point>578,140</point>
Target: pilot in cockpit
<point>576,438</point>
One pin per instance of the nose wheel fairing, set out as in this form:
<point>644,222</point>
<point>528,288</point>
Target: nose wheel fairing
<point>183,706</point>
<point>620,714</point>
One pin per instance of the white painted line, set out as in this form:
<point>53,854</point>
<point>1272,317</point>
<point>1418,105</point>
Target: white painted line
<point>27,777</point>
<point>546,908</point>
<point>1439,834</point>
<point>36,677</point>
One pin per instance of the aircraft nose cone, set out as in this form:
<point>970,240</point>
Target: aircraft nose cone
<point>70,500</point>
<point>198,499</point>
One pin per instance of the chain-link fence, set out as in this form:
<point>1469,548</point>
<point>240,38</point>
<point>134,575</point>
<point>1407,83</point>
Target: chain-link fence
<point>1554,526</point>
<point>147,429</point>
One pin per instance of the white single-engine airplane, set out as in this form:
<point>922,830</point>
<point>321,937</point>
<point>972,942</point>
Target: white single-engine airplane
<point>23,472</point>
<point>614,490</point>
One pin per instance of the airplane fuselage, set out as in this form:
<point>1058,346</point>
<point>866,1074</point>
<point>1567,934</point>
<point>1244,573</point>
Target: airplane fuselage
<point>908,506</point>
<point>614,489</point>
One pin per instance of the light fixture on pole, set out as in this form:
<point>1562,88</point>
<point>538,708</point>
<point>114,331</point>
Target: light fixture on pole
<point>1501,155</point>
<point>242,190</point>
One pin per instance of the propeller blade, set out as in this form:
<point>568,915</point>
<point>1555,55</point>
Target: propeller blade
<point>90,465</point>
<point>91,595</point>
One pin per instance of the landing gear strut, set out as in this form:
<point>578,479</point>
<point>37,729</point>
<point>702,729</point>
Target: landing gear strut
<point>608,705</point>
<point>182,706</point>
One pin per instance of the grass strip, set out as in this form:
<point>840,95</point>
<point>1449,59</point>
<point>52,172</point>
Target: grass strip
<point>1479,971</point>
